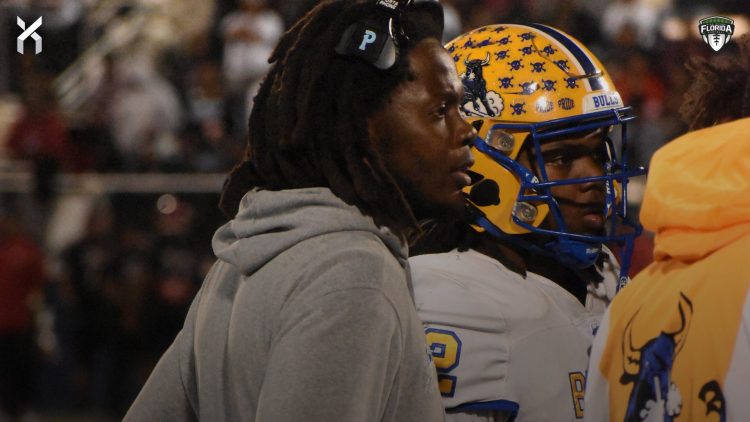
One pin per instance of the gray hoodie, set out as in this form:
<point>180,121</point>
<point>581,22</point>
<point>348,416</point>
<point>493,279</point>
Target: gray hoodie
<point>307,315</point>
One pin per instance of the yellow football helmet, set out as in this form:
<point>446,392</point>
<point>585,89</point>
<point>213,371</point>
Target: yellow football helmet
<point>524,84</point>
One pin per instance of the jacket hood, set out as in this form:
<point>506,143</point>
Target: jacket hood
<point>270,222</point>
<point>697,196</point>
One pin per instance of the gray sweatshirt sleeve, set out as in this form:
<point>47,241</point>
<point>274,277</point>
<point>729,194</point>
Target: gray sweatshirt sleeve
<point>163,397</point>
<point>334,358</point>
<point>169,393</point>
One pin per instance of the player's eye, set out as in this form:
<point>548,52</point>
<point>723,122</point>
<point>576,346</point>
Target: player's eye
<point>559,160</point>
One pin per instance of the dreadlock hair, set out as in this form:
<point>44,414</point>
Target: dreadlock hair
<point>721,87</point>
<point>308,126</point>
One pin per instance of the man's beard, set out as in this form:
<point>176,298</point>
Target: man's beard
<point>423,208</point>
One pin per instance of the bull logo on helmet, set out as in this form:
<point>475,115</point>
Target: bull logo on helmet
<point>475,88</point>
<point>649,369</point>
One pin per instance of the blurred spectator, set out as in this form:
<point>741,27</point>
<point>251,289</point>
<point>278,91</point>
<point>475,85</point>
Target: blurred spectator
<point>40,135</point>
<point>637,17</point>
<point>41,132</point>
<point>250,34</point>
<point>208,147</point>
<point>641,87</point>
<point>21,280</point>
<point>106,274</point>
<point>91,134</point>
<point>85,270</point>
<point>146,115</point>
<point>205,93</point>
<point>177,271</point>
<point>676,82</point>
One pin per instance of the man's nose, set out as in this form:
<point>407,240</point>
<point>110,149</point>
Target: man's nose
<point>466,132</point>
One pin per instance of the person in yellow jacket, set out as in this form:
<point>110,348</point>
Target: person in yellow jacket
<point>675,342</point>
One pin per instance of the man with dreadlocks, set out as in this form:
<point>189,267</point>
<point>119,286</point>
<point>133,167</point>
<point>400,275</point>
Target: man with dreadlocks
<point>675,343</point>
<point>355,135</point>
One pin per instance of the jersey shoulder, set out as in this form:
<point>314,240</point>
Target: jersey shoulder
<point>462,289</point>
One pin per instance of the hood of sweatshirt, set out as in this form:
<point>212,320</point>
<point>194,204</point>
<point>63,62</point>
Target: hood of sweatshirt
<point>697,196</point>
<point>270,222</point>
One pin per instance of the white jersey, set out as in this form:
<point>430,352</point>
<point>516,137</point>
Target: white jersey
<point>506,347</point>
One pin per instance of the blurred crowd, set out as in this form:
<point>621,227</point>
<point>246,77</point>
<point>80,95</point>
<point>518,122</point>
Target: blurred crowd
<point>166,86</point>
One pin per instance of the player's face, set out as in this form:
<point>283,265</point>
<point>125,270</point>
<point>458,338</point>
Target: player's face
<point>581,204</point>
<point>421,136</point>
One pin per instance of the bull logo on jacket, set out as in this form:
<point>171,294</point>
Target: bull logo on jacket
<point>649,368</point>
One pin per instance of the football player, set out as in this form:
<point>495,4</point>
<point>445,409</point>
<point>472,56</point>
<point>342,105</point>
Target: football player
<point>511,295</point>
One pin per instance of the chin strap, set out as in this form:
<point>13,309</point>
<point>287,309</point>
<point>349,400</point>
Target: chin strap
<point>571,253</point>
<point>579,255</point>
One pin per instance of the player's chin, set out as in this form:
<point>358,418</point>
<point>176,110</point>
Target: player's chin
<point>589,231</point>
